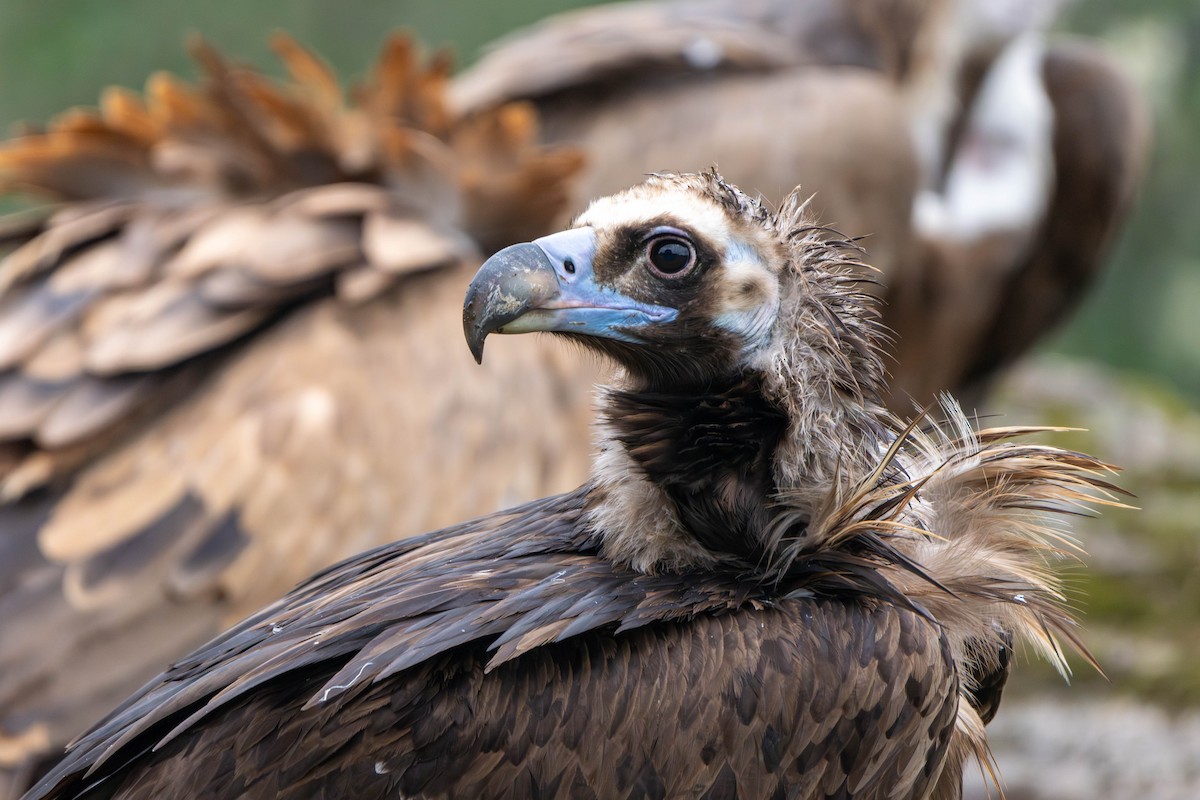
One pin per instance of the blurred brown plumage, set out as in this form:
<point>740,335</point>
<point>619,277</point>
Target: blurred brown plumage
<point>231,355</point>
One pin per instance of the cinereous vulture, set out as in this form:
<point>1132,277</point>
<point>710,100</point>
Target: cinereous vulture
<point>768,587</point>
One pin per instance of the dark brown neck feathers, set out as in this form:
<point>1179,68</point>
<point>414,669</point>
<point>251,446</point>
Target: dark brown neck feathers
<point>711,450</point>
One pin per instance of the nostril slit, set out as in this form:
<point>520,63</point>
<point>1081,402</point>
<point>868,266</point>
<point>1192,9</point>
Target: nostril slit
<point>569,266</point>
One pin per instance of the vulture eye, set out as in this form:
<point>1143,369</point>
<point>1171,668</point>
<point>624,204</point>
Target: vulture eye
<point>670,256</point>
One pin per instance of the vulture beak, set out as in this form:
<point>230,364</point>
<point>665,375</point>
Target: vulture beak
<point>548,285</point>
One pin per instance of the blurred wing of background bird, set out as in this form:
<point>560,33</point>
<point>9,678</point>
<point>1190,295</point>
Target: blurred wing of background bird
<point>872,106</point>
<point>988,294</point>
<point>231,354</point>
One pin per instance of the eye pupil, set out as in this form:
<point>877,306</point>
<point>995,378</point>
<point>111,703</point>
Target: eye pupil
<point>670,256</point>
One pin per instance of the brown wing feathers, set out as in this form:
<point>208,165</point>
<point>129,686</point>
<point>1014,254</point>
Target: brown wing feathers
<point>504,657</point>
<point>404,629</point>
<point>599,49</point>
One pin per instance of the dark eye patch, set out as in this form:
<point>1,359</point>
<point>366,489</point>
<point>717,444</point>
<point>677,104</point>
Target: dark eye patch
<point>624,254</point>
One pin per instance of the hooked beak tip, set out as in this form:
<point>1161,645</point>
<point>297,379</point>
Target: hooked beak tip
<point>476,346</point>
<point>508,285</point>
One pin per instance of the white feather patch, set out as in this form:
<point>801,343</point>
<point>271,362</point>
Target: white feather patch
<point>636,205</point>
<point>749,314</point>
<point>1003,171</point>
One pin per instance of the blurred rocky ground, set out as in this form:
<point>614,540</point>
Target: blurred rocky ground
<point>1135,734</point>
<point>1087,748</point>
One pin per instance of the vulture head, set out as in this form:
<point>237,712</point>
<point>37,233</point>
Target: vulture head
<point>749,356</point>
<point>688,283</point>
<point>679,280</point>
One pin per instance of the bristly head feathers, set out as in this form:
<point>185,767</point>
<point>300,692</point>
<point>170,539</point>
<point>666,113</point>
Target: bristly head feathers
<point>785,290</point>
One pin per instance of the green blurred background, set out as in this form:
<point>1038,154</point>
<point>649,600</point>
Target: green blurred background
<point>1144,316</point>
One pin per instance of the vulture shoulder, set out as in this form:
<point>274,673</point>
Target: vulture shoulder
<point>1101,144</point>
<point>225,335</point>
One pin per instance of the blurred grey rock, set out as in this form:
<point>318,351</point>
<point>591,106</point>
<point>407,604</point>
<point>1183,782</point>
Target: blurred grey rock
<point>1114,748</point>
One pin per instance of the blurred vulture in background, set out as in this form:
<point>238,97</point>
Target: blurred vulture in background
<point>229,344</point>
<point>987,170</point>
<point>232,355</point>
